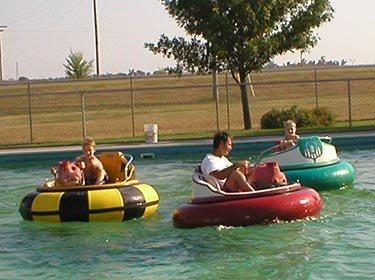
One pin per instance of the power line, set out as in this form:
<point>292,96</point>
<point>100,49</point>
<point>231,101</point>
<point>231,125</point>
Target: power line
<point>41,14</point>
<point>49,31</point>
<point>30,14</point>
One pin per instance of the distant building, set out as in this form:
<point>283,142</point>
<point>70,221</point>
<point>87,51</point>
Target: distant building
<point>160,72</point>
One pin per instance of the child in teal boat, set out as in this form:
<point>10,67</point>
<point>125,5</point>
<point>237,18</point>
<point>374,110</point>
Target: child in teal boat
<point>290,136</point>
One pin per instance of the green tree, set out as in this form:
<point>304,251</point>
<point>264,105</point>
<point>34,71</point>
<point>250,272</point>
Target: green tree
<point>77,67</point>
<point>240,35</point>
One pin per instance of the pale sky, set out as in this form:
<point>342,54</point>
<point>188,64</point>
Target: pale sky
<point>40,34</point>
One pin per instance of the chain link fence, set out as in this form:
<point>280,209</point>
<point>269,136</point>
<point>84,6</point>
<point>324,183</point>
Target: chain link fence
<point>115,109</point>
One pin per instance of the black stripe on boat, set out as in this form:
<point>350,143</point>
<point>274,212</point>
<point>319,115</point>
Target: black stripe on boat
<point>134,202</point>
<point>97,211</point>
<point>74,206</point>
<point>45,213</point>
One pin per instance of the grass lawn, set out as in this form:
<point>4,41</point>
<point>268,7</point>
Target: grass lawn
<point>59,113</point>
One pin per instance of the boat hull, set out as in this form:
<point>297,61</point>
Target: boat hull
<point>294,205</point>
<point>312,162</point>
<point>323,178</point>
<point>111,202</point>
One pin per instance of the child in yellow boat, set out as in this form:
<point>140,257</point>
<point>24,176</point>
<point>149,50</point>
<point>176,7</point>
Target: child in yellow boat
<point>92,167</point>
<point>290,136</point>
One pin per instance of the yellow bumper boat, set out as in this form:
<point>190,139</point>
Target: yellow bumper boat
<point>124,198</point>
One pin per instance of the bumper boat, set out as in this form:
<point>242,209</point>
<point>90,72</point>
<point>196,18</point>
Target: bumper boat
<point>123,198</point>
<point>274,202</point>
<point>313,162</point>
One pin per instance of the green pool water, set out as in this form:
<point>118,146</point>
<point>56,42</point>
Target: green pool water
<point>340,244</point>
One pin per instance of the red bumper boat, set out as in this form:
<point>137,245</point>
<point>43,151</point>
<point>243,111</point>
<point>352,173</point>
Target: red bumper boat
<point>273,202</point>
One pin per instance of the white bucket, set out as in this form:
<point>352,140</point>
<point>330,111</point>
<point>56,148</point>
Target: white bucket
<point>151,133</point>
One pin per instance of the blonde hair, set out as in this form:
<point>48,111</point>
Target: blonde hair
<point>289,123</point>
<point>89,141</point>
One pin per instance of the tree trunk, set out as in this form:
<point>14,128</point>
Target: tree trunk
<point>245,103</point>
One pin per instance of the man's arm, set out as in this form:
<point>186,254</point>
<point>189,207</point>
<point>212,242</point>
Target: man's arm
<point>223,174</point>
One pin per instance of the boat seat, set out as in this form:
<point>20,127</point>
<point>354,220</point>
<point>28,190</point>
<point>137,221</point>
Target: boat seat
<point>198,178</point>
<point>117,167</point>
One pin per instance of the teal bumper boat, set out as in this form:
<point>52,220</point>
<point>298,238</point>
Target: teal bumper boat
<point>313,162</point>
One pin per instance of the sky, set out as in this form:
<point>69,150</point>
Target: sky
<point>41,33</point>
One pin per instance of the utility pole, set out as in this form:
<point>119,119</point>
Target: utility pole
<point>2,28</point>
<point>17,72</point>
<point>96,38</point>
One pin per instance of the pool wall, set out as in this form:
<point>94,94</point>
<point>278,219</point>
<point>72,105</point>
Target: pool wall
<point>344,141</point>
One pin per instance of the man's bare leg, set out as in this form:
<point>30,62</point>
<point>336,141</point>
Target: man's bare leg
<point>249,173</point>
<point>236,182</point>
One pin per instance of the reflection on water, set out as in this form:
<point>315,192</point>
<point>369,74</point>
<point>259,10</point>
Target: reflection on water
<point>337,245</point>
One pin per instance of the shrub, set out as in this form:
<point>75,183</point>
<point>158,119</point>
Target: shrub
<point>271,119</point>
<point>303,117</point>
<point>323,116</point>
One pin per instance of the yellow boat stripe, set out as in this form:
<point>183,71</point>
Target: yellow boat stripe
<point>116,216</point>
<point>148,192</point>
<point>105,199</point>
<point>46,202</point>
<point>50,219</point>
<point>150,210</point>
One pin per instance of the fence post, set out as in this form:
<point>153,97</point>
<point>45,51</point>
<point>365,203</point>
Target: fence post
<point>83,110</point>
<point>350,103</point>
<point>215,91</point>
<point>316,88</point>
<point>227,95</point>
<point>132,105</point>
<point>30,114</point>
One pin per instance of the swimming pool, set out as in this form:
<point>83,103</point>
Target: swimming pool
<point>338,245</point>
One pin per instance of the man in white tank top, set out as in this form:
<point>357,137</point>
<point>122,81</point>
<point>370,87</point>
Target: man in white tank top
<point>217,169</point>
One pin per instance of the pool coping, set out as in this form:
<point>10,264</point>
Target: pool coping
<point>268,140</point>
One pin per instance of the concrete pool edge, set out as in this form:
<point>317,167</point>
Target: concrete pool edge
<point>342,140</point>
